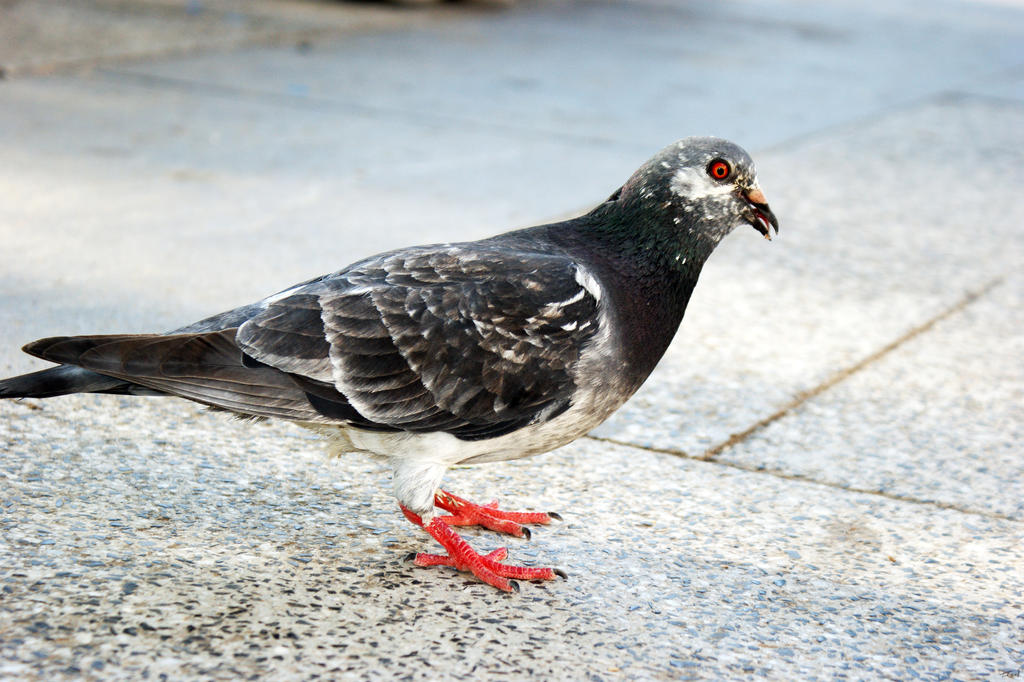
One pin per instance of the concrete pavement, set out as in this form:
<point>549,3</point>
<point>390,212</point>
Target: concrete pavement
<point>822,480</point>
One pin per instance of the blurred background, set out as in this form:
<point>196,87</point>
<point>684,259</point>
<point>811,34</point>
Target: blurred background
<point>206,133</point>
<point>823,478</point>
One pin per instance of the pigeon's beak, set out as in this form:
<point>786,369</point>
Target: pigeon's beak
<point>759,214</point>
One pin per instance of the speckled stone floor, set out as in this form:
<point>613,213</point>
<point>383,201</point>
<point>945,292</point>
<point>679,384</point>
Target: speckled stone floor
<point>823,479</point>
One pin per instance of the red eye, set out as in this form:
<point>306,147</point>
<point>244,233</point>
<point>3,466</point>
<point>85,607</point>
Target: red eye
<point>719,169</point>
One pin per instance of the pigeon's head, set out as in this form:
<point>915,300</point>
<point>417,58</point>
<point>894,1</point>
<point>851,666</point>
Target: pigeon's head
<point>708,185</point>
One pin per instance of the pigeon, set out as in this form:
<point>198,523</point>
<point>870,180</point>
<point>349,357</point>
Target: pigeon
<point>457,353</point>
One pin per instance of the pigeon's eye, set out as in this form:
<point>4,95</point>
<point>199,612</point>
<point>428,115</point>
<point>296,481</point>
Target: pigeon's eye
<point>719,169</point>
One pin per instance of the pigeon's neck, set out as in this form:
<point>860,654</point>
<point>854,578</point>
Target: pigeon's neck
<point>648,243</point>
<point>649,264</point>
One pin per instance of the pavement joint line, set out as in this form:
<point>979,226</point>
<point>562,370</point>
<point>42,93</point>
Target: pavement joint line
<point>868,118</point>
<point>77,65</point>
<point>844,373</point>
<point>801,478</point>
<point>353,107</point>
<point>282,37</point>
<point>806,395</point>
<point>998,100</point>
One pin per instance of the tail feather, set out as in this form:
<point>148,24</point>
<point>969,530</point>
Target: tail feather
<point>65,380</point>
<point>71,349</point>
<point>207,367</point>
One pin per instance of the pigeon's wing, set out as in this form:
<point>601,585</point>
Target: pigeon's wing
<point>472,342</point>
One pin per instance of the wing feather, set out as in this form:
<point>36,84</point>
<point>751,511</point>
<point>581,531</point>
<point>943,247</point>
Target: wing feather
<point>468,341</point>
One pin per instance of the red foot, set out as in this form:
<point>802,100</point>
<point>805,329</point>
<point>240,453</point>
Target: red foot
<point>466,513</point>
<point>487,567</point>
